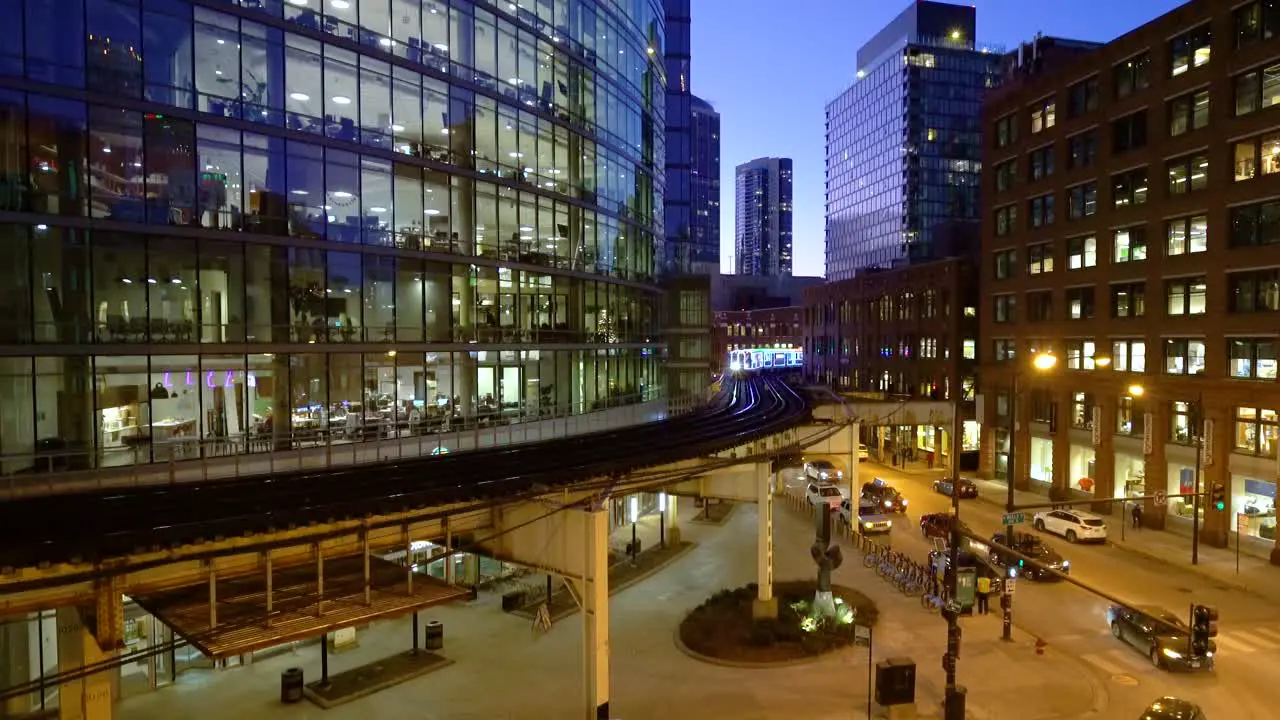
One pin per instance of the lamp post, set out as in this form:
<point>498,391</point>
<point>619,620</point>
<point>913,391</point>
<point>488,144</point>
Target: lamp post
<point>1042,362</point>
<point>634,512</point>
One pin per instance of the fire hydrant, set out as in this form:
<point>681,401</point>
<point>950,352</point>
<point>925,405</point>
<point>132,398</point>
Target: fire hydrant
<point>1040,646</point>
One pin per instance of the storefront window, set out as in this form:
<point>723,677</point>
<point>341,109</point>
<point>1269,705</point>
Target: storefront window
<point>1042,459</point>
<point>1256,501</point>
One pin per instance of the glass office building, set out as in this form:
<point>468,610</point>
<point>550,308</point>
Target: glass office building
<point>762,217</point>
<point>238,226</point>
<point>904,142</point>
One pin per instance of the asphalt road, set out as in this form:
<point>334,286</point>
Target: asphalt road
<point>1071,620</point>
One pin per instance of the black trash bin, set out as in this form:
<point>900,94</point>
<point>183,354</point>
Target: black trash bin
<point>435,635</point>
<point>291,685</point>
<point>954,706</point>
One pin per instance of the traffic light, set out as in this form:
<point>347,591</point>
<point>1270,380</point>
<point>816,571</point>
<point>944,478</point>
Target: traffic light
<point>1218,496</point>
<point>1204,625</point>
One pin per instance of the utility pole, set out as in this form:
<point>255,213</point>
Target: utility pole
<point>954,699</point>
<point>1006,598</point>
<point>1198,420</point>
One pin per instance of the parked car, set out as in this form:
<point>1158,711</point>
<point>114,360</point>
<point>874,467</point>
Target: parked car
<point>1158,634</point>
<point>822,470</point>
<point>965,488</point>
<point>820,493</point>
<point>1031,546</point>
<point>938,525</point>
<point>1172,708</point>
<point>870,520</point>
<point>863,452</point>
<point>884,496</point>
<point>1074,525</point>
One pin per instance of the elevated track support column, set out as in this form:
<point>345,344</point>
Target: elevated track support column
<point>91,697</point>
<point>670,519</point>
<point>595,612</point>
<point>765,606</point>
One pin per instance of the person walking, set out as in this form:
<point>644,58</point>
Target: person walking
<point>984,592</point>
<point>1137,516</point>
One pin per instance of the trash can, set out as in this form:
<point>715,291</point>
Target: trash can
<point>291,685</point>
<point>435,635</point>
<point>954,705</point>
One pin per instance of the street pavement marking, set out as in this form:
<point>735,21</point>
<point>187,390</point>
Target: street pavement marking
<point>1114,661</point>
<point>1232,644</point>
<point>1254,640</point>
<point>1268,632</point>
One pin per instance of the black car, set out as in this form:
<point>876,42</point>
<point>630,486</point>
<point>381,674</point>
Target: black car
<point>964,487</point>
<point>885,496</point>
<point>938,525</point>
<point>1031,546</point>
<point>1172,708</point>
<point>1158,634</point>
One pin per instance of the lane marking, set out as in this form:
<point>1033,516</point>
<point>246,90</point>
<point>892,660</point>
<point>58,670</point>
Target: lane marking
<point>1236,645</point>
<point>1255,640</point>
<point>1103,664</point>
<point>1139,663</point>
<point>1268,632</point>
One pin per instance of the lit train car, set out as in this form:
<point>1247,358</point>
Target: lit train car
<point>754,359</point>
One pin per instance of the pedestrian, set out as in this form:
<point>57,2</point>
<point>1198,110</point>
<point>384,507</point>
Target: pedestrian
<point>984,591</point>
<point>1137,516</point>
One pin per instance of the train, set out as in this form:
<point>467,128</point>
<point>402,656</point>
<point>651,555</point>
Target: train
<point>751,359</point>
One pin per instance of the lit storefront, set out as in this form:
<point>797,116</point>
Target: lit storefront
<point>1042,459</point>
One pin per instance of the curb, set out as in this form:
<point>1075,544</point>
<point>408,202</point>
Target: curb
<point>741,664</point>
<point>1233,584</point>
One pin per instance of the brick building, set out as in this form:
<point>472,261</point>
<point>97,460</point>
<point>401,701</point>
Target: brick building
<point>771,327</point>
<point>1145,170</point>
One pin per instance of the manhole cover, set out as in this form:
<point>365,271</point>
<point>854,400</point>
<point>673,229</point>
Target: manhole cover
<point>1124,680</point>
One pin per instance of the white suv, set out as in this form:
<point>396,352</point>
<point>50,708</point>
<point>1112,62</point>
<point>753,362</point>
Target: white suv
<point>1074,525</point>
<point>823,493</point>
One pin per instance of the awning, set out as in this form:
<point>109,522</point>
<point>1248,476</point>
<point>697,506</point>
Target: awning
<point>243,624</point>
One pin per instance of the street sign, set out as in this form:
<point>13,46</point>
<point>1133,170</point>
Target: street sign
<point>1161,499</point>
<point>1013,519</point>
<point>1242,523</point>
<point>862,635</point>
<point>1010,585</point>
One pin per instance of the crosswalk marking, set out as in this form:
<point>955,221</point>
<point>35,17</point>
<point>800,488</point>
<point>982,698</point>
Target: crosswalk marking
<point>1230,643</point>
<point>1268,632</point>
<point>1117,662</point>
<point>1251,639</point>
<point>1102,663</point>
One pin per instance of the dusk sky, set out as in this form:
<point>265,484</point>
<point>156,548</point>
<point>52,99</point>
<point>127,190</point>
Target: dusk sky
<point>770,69</point>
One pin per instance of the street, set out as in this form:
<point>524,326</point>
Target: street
<point>1072,620</point>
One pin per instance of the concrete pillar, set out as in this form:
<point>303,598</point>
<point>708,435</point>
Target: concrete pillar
<point>765,605</point>
<point>595,614</point>
<point>987,452</point>
<point>1104,456</point>
<point>1061,439</point>
<point>1155,467</point>
<point>19,663</point>
<point>1218,525</point>
<point>939,443</point>
<point>470,570</point>
<point>672,518</point>
<point>91,697</point>
<point>855,435</point>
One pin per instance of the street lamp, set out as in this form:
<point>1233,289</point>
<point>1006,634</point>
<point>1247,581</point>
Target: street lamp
<point>1136,390</point>
<point>1042,362</point>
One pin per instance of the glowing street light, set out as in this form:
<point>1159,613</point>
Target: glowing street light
<point>1044,361</point>
<point>1136,390</point>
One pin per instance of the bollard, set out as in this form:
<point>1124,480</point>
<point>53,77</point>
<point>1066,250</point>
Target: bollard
<point>1041,646</point>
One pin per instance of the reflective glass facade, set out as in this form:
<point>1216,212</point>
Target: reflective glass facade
<point>762,217</point>
<point>232,226</point>
<point>904,141</point>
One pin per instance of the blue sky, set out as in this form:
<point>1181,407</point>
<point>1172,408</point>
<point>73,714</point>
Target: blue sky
<point>770,68</point>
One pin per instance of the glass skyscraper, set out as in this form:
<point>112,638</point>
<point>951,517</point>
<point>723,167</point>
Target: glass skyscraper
<point>704,186</point>
<point>904,142</point>
<point>249,226</point>
<point>762,217</point>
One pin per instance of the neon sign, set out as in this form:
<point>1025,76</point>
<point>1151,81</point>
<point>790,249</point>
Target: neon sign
<point>211,378</point>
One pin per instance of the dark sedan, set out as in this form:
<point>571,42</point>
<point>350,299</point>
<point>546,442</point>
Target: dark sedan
<point>964,487</point>
<point>885,496</point>
<point>1172,708</point>
<point>938,525</point>
<point>1031,546</point>
<point>1158,634</point>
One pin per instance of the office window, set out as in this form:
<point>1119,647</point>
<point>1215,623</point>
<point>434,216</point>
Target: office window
<point>1006,175</point>
<point>1189,50</point>
<point>1254,291</point>
<point>1004,263</point>
<point>1129,245</point>
<point>1006,131</point>
<point>1040,258</point>
<point>1040,305</point>
<point>1185,296</point>
<point>1041,210</point>
<point>1187,235</point>
<point>1260,155</point>
<point>1128,300</point>
<point>1257,224</point>
<point>1187,174</point>
<point>1082,201</point>
<point>1043,115</point>
<point>1257,431</point>
<point>1129,355</point>
<point>1183,356</point>
<point>1004,350</point>
<point>1082,252</point>
<point>1082,149</point>
<point>1257,89</point>
<point>1080,354</point>
<point>1182,420</point>
<point>1256,21</point>
<point>1129,188</point>
<point>1252,358</point>
<point>1129,421</point>
<point>1005,306</point>
<point>1040,162</point>
<point>1083,97</point>
<point>1080,303</point>
<point>969,349</point>
<point>1189,112</point>
<point>1129,132</point>
<point>1132,75</point>
<point>1006,220</point>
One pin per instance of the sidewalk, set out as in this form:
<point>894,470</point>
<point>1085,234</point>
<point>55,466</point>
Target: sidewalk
<point>1256,575</point>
